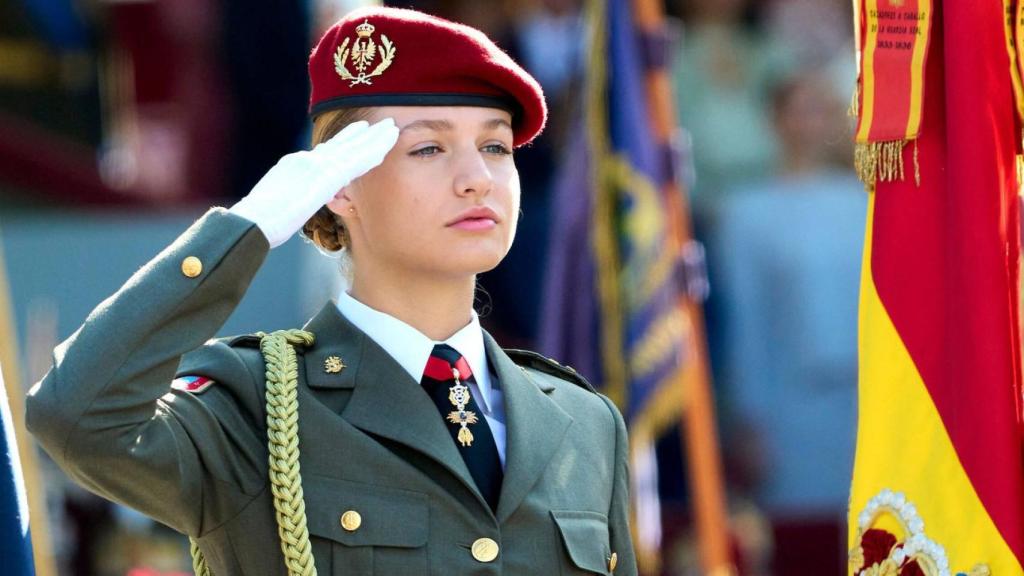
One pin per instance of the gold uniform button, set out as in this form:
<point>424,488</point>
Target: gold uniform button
<point>351,521</point>
<point>485,550</point>
<point>191,267</point>
<point>613,562</point>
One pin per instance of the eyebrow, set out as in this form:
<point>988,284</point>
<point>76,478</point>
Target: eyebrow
<point>445,125</point>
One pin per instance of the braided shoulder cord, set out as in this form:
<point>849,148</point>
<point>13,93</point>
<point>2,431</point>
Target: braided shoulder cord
<point>283,448</point>
<point>198,559</point>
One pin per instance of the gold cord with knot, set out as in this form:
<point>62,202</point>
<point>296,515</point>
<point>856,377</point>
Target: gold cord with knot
<point>282,374</point>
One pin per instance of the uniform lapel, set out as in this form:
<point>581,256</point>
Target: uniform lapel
<point>385,400</point>
<point>535,428</point>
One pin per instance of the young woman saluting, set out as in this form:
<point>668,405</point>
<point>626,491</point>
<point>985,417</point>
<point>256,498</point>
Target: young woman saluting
<point>391,435</point>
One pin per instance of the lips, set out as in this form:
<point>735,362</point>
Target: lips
<point>476,218</point>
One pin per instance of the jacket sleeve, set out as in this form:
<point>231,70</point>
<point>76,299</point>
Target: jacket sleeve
<point>105,411</point>
<point>618,514</point>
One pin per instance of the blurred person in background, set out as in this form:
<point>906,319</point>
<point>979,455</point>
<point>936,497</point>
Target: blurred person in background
<point>817,37</point>
<point>424,445</point>
<point>784,258</point>
<point>815,32</point>
<point>723,71</point>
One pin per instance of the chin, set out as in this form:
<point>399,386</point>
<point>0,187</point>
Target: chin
<point>476,263</point>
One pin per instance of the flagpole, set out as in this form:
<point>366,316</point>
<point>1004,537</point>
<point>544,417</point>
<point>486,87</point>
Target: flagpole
<point>698,417</point>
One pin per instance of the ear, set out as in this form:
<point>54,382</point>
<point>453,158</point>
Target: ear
<point>342,204</point>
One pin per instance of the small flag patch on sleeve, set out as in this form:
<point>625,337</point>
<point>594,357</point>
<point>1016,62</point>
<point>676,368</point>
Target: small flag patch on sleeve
<point>193,384</point>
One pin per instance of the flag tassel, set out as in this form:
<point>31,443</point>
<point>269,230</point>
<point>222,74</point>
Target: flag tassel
<point>883,161</point>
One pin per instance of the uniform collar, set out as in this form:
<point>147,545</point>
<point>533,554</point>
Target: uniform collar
<point>411,348</point>
<point>381,400</point>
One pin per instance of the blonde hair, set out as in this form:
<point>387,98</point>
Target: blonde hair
<point>325,229</point>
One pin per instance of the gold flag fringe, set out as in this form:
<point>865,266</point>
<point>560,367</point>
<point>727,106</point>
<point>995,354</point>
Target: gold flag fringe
<point>854,110</point>
<point>917,166</point>
<point>1020,166</point>
<point>1020,174</point>
<point>882,161</point>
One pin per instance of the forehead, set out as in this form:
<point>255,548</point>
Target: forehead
<point>458,116</point>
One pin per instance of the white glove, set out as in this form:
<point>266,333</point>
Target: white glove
<point>302,182</point>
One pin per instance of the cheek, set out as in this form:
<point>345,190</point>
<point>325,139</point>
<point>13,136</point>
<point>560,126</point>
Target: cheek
<point>512,190</point>
<point>397,209</point>
<point>516,195</point>
<point>512,200</point>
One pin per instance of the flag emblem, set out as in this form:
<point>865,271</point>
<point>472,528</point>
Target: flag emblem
<point>891,540</point>
<point>193,384</point>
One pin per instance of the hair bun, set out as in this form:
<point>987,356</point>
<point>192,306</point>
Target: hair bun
<point>325,230</point>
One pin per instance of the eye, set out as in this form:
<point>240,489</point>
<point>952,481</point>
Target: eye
<point>497,149</point>
<point>426,151</point>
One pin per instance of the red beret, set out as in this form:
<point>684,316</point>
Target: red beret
<point>378,56</point>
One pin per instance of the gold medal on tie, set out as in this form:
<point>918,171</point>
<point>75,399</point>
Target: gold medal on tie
<point>458,395</point>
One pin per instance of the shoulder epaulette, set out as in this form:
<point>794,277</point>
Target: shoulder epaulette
<point>247,340</point>
<point>544,364</point>
<point>254,340</point>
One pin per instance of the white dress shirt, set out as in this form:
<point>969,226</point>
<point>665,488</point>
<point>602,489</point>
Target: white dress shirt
<point>411,349</point>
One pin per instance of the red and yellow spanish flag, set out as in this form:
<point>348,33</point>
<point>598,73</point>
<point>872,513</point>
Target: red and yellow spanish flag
<point>938,482</point>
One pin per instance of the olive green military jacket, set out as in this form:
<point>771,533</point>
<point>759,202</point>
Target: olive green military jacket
<point>371,440</point>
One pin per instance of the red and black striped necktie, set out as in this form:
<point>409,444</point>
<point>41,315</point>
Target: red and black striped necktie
<point>446,379</point>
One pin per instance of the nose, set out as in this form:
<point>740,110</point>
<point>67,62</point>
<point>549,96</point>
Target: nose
<point>473,176</point>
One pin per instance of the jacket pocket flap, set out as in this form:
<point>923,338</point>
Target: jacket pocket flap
<point>585,535</point>
<point>386,516</point>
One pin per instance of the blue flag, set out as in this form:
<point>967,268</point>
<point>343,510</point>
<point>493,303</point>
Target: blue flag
<point>612,297</point>
<point>60,23</point>
<point>15,541</point>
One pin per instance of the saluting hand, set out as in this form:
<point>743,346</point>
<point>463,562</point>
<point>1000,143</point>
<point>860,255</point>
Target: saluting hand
<point>302,182</point>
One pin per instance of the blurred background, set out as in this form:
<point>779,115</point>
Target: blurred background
<point>121,121</point>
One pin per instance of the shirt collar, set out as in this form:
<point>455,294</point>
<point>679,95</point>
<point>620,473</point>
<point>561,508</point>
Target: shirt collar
<point>411,348</point>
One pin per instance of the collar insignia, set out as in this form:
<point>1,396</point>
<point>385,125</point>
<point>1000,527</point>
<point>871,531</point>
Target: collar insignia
<point>333,365</point>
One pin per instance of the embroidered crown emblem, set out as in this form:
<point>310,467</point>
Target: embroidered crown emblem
<point>891,541</point>
<point>362,54</point>
<point>365,30</point>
